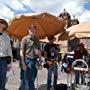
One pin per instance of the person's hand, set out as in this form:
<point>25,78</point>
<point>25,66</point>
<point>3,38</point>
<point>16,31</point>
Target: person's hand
<point>9,66</point>
<point>24,66</point>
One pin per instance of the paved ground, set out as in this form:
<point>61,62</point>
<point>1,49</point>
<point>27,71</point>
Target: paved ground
<point>14,80</point>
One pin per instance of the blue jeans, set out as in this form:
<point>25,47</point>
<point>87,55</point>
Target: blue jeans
<point>3,69</point>
<point>52,70</point>
<point>24,81</point>
<point>77,77</point>
<point>29,76</point>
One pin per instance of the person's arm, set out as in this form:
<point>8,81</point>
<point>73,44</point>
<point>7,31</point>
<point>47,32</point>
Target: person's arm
<point>86,52</point>
<point>9,56</point>
<point>37,44</point>
<point>22,54</point>
<point>40,56</point>
<point>9,53</point>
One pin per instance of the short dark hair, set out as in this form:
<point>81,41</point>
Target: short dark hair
<point>32,25</point>
<point>2,21</point>
<point>51,38</point>
<point>81,45</point>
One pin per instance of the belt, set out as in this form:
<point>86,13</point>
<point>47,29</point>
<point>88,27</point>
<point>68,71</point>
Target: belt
<point>2,58</point>
<point>30,58</point>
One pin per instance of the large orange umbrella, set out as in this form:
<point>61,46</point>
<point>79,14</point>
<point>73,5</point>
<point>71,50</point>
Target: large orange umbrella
<point>46,25</point>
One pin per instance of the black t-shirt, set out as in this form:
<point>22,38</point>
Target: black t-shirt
<point>51,50</point>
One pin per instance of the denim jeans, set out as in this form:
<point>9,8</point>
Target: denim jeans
<point>29,76</point>
<point>52,70</point>
<point>77,77</point>
<point>24,81</point>
<point>3,69</point>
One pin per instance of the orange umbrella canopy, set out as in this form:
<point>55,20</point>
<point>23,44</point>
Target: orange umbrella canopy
<point>46,25</point>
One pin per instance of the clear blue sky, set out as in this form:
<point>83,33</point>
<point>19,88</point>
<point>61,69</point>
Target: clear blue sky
<point>87,5</point>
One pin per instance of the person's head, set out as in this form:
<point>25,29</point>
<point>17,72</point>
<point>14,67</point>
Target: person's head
<point>32,29</point>
<point>64,10</point>
<point>51,39</point>
<point>74,17</point>
<point>81,46</point>
<point>3,25</point>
